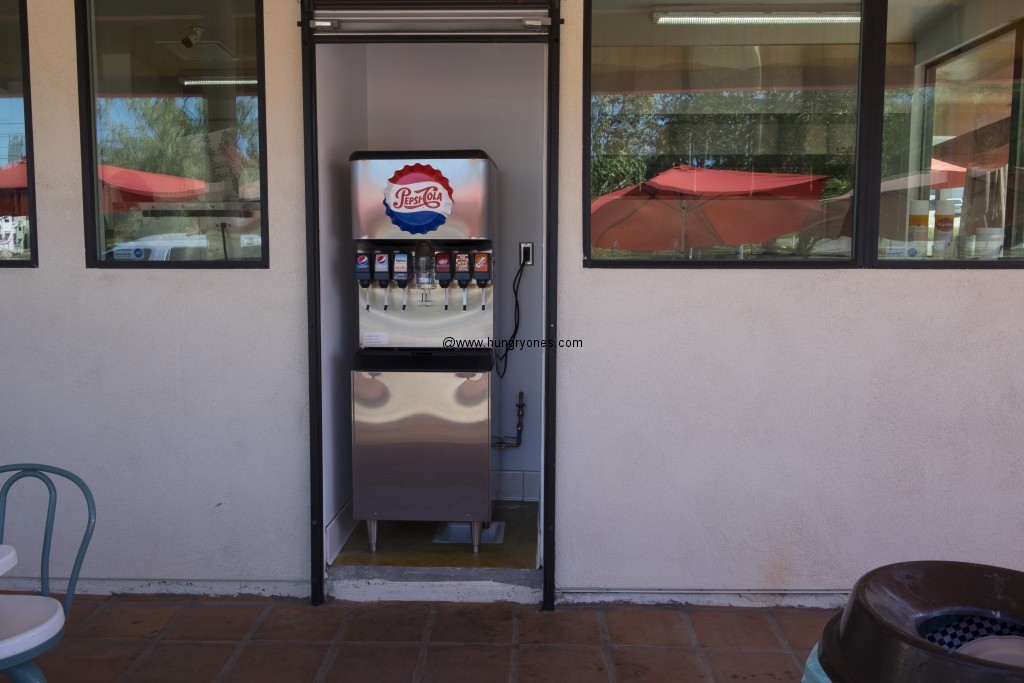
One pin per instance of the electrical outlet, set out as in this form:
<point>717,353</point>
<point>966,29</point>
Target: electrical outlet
<point>526,253</point>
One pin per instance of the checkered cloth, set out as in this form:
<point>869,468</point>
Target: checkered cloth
<point>962,630</point>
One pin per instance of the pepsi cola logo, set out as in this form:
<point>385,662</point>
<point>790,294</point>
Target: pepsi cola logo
<point>382,259</point>
<point>418,199</point>
<point>410,199</point>
<point>363,259</point>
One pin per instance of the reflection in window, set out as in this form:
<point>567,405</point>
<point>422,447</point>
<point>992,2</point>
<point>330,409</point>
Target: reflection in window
<point>177,144</point>
<point>16,238</point>
<point>952,155</point>
<point>722,135</point>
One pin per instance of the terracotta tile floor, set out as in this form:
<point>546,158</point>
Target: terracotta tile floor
<point>192,640</point>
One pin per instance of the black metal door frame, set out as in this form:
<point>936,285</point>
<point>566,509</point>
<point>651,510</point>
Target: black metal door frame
<point>316,472</point>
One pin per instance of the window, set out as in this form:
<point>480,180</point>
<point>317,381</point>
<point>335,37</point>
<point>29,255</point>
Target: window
<point>727,133</point>
<point>720,135</point>
<point>174,139</point>
<point>951,161</point>
<point>17,206</point>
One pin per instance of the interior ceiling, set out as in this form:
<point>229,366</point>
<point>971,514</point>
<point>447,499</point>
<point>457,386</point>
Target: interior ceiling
<point>991,63</point>
<point>10,50</point>
<point>648,5</point>
<point>150,39</point>
<point>903,14</point>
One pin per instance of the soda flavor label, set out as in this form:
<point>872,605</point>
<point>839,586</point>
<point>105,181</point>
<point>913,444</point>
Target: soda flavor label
<point>442,263</point>
<point>481,263</point>
<point>401,264</point>
<point>362,263</point>
<point>418,199</point>
<point>380,267</point>
<point>462,263</point>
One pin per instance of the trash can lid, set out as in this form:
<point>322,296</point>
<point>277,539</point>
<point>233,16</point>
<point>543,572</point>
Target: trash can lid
<point>878,637</point>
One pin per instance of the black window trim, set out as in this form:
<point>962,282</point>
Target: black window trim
<point>867,170</point>
<point>87,125</point>
<point>1016,27</point>
<point>33,260</point>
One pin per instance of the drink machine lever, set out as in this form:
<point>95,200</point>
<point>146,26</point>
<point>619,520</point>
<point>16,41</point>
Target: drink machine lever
<point>400,274</point>
<point>425,272</point>
<point>462,273</point>
<point>363,274</point>
<point>482,275</point>
<point>443,272</point>
<point>382,273</point>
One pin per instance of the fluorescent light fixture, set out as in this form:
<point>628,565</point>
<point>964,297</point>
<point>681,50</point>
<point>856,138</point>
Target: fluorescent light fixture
<point>220,81</point>
<point>752,19</point>
<point>755,15</point>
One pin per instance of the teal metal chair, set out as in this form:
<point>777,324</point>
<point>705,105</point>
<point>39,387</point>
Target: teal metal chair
<point>32,624</point>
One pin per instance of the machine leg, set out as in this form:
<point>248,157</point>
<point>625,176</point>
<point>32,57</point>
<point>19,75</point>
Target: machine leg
<point>371,527</point>
<point>475,526</point>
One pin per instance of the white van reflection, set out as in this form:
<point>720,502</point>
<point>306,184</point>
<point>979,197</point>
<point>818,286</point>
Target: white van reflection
<point>183,247</point>
<point>13,235</point>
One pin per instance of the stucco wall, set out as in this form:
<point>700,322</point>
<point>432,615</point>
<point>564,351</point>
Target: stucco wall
<point>180,396</point>
<point>777,429</point>
<point>719,430</point>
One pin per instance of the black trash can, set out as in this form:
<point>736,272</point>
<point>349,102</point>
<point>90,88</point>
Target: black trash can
<point>929,622</point>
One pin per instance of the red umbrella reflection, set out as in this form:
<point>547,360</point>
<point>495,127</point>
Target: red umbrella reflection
<point>147,186</point>
<point>687,207</point>
<point>14,176</point>
<point>124,187</point>
<point>153,186</point>
<point>13,189</point>
<point>982,150</point>
<point>945,175</point>
<point>836,218</point>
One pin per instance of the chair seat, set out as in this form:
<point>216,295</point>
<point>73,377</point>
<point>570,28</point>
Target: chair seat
<point>8,558</point>
<point>27,621</point>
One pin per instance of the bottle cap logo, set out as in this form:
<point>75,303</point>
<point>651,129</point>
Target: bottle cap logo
<point>418,199</point>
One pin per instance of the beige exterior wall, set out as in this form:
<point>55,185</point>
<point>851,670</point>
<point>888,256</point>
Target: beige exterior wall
<point>720,430</point>
<point>753,431</point>
<point>180,396</point>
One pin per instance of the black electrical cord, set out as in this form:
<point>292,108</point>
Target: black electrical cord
<point>501,357</point>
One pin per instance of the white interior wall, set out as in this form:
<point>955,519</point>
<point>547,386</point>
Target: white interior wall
<point>489,96</point>
<point>341,128</point>
<point>764,430</point>
<point>180,396</point>
<point>482,96</point>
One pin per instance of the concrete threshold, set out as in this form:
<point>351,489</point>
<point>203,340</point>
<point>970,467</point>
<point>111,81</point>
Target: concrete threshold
<point>448,584</point>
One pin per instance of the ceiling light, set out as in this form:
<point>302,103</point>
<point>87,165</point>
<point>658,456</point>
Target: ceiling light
<point>220,81</point>
<point>756,15</point>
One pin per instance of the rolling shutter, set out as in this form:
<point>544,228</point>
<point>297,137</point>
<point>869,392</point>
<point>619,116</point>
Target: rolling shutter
<point>360,19</point>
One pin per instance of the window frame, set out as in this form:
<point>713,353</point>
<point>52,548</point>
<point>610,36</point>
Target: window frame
<point>33,260</point>
<point>1016,29</point>
<point>90,179</point>
<point>871,88</point>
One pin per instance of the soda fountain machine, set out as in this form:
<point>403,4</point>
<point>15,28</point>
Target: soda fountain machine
<point>423,227</point>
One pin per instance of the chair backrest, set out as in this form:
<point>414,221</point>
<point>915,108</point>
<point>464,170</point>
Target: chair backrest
<point>40,472</point>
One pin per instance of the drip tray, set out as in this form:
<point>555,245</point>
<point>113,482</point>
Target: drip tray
<point>461,532</point>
